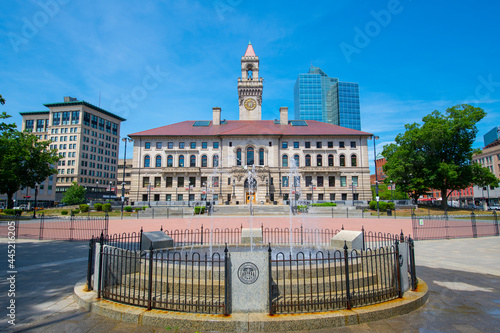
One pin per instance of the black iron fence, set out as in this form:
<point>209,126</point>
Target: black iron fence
<point>340,280</point>
<point>73,228</point>
<point>196,281</point>
<point>451,226</point>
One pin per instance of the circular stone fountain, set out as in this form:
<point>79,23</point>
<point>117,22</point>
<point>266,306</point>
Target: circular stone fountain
<point>251,286</point>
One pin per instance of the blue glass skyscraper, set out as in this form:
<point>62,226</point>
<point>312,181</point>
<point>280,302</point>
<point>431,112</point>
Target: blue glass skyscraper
<point>320,97</point>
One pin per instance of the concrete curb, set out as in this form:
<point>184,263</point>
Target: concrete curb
<point>252,322</point>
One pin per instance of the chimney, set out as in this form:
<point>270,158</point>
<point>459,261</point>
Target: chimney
<point>216,112</point>
<point>284,115</point>
<point>69,99</point>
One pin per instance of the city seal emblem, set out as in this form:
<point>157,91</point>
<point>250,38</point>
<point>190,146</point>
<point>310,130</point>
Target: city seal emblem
<point>248,273</point>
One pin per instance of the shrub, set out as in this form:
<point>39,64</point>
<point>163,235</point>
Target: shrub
<point>302,208</point>
<point>75,211</point>
<point>382,205</point>
<point>98,206</point>
<point>137,209</point>
<point>106,207</point>
<point>199,209</point>
<point>127,209</point>
<point>373,205</point>
<point>391,205</point>
<point>64,212</point>
<point>84,208</point>
<point>144,207</point>
<point>324,204</point>
<point>9,211</point>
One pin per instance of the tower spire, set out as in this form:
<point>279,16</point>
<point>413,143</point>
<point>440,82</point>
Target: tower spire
<point>250,52</point>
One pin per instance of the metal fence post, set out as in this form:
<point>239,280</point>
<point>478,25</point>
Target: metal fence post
<point>226,282</point>
<point>89,264</point>
<point>150,280</point>
<point>347,212</point>
<point>474,226</point>
<point>398,268</point>
<point>363,235</point>
<point>202,234</point>
<point>42,222</point>
<point>332,212</point>
<point>346,266</point>
<point>140,241</point>
<point>101,254</point>
<point>270,281</point>
<point>495,221</point>
<point>153,213</point>
<point>413,273</point>
<point>71,221</point>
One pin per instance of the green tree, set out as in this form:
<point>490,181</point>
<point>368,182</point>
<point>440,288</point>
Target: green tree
<point>74,195</point>
<point>24,161</point>
<point>438,154</point>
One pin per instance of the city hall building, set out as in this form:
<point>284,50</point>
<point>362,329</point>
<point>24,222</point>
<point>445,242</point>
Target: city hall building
<point>250,159</point>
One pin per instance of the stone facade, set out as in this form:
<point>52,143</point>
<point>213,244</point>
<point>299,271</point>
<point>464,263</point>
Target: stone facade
<point>197,160</point>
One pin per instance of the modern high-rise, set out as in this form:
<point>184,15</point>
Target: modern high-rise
<point>320,97</point>
<point>87,139</point>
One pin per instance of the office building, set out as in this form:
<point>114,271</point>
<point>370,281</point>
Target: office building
<point>320,97</point>
<point>87,139</point>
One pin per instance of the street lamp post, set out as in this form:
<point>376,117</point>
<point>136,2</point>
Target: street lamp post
<point>149,194</point>
<point>312,192</point>
<point>34,207</point>
<point>126,139</point>
<point>392,191</point>
<point>376,173</point>
<point>96,189</point>
<point>234,185</point>
<point>123,198</point>
<point>352,189</point>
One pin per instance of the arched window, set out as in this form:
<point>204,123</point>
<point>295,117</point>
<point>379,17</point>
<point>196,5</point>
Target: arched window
<point>284,161</point>
<point>158,161</point>
<point>342,160</point>
<point>261,156</point>
<point>192,161</point>
<point>204,161</point>
<point>238,156</point>
<point>296,159</point>
<point>147,161</point>
<point>354,160</point>
<point>319,160</point>
<point>330,160</point>
<point>170,161</point>
<point>181,161</point>
<point>308,160</point>
<point>215,161</point>
<point>250,157</point>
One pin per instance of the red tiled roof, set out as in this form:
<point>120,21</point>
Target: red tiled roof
<point>250,52</point>
<point>250,127</point>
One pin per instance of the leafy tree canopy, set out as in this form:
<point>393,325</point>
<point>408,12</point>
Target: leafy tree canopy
<point>75,195</point>
<point>24,161</point>
<point>438,154</point>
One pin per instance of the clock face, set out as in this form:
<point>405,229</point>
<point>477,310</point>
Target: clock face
<point>250,104</point>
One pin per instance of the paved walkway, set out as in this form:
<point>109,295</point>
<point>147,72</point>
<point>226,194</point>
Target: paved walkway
<point>463,277</point>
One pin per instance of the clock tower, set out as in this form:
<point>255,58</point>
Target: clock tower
<point>250,86</point>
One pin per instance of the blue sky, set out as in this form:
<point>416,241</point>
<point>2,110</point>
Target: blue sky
<point>161,62</point>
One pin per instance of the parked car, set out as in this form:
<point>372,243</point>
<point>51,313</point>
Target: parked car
<point>493,207</point>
